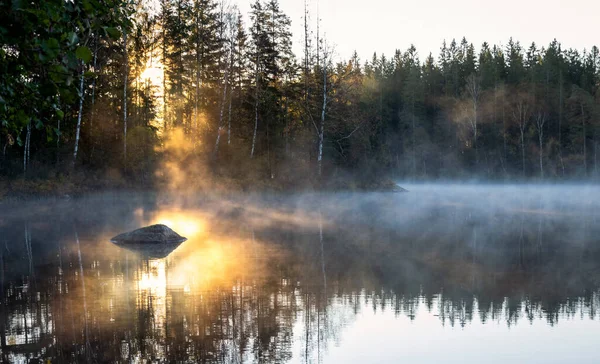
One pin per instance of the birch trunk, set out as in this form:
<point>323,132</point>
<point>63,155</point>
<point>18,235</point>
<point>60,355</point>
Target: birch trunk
<point>58,142</point>
<point>541,136</point>
<point>521,116</point>
<point>26,149</point>
<point>540,121</point>
<point>255,110</point>
<point>255,124</point>
<point>504,123</point>
<point>522,129</point>
<point>287,123</point>
<point>125,99</point>
<point>323,109</point>
<point>584,141</point>
<point>164,80</point>
<point>473,88</point>
<point>28,142</point>
<point>223,101</point>
<point>560,115</point>
<point>78,130</point>
<point>595,158</point>
<point>413,137</point>
<point>306,55</point>
<point>199,57</point>
<point>475,135</point>
<point>229,119</point>
<point>93,87</point>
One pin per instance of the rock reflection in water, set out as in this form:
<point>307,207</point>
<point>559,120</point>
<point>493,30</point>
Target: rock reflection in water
<point>274,281</point>
<point>151,251</point>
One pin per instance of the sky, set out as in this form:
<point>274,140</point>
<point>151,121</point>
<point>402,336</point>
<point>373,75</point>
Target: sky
<point>383,26</point>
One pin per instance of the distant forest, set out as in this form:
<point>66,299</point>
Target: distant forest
<point>115,86</point>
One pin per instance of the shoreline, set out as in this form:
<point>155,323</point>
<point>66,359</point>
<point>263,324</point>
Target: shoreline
<point>20,189</point>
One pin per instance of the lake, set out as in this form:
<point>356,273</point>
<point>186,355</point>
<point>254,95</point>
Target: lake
<point>443,273</point>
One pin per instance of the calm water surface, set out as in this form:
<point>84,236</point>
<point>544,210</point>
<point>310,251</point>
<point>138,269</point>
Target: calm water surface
<point>440,274</point>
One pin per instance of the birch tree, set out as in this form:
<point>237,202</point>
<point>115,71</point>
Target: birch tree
<point>228,34</point>
<point>473,88</point>
<point>125,80</point>
<point>259,38</point>
<point>27,147</point>
<point>321,130</point>
<point>79,114</point>
<point>540,121</point>
<point>521,117</point>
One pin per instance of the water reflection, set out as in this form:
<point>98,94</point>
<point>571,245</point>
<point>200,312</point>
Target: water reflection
<point>292,279</point>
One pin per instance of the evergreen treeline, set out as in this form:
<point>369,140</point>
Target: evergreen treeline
<point>100,85</point>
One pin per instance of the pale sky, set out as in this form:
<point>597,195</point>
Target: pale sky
<point>385,25</point>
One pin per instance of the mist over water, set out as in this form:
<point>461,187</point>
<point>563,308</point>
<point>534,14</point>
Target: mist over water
<point>443,273</point>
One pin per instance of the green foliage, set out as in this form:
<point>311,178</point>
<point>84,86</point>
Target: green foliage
<point>84,54</point>
<point>43,43</point>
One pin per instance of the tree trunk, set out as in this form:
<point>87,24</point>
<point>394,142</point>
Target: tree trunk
<point>560,115</point>
<point>256,103</point>
<point>595,159</point>
<point>322,126</point>
<point>522,129</point>
<point>541,137</point>
<point>584,141</point>
<point>475,135</point>
<point>199,56</point>
<point>125,100</point>
<point>413,137</point>
<point>306,55</point>
<point>26,149</point>
<point>229,119</point>
<point>93,88</point>
<point>540,121</point>
<point>504,125</point>
<point>230,69</point>
<point>78,130</point>
<point>287,124</point>
<point>164,80</point>
<point>255,124</point>
<point>93,107</point>
<point>222,109</point>
<point>58,142</point>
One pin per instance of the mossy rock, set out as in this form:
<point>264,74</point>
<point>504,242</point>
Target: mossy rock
<point>149,235</point>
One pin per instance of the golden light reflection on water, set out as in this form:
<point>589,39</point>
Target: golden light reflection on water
<point>211,257</point>
<point>152,292</point>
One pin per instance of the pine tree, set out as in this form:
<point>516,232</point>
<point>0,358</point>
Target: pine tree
<point>205,58</point>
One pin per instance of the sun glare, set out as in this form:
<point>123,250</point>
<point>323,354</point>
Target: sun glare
<point>154,74</point>
<point>184,224</point>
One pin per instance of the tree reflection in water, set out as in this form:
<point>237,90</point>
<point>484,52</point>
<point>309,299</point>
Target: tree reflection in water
<point>271,281</point>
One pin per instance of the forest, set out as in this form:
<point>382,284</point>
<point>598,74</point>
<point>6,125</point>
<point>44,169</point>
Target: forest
<point>182,92</point>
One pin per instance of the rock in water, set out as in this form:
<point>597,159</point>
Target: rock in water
<point>151,235</point>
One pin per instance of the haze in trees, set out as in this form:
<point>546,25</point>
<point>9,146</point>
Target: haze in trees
<point>99,88</point>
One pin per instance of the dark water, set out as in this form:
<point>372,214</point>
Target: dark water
<point>440,274</point>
